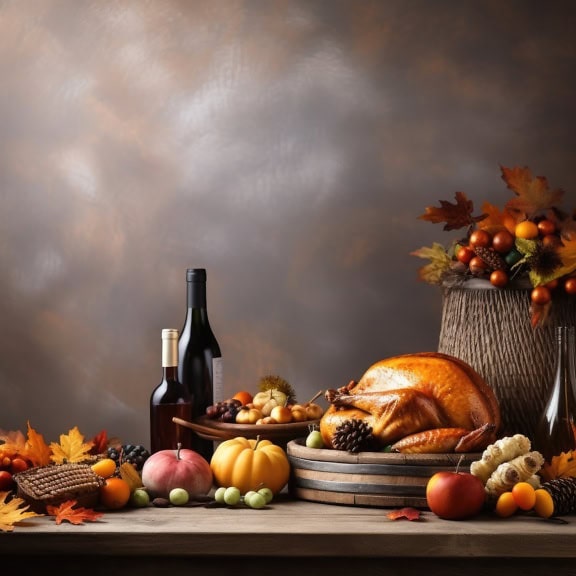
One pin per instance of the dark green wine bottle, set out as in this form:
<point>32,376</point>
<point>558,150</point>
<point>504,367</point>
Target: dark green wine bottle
<point>200,368</point>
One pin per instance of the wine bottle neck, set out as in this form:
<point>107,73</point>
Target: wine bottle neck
<point>196,294</point>
<point>170,373</point>
<point>169,348</point>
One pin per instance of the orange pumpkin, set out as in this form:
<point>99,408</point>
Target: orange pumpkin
<point>250,464</point>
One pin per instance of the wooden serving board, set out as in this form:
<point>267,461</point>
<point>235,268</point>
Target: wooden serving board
<point>379,479</point>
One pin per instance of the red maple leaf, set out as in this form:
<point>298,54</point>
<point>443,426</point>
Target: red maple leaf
<point>99,443</point>
<point>456,215</point>
<point>408,513</point>
<point>67,512</point>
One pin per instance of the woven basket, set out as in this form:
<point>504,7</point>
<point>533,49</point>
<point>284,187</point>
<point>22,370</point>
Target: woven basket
<point>490,329</point>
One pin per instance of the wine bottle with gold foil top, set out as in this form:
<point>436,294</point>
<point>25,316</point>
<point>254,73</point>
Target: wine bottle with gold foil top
<point>170,398</point>
<point>556,432</point>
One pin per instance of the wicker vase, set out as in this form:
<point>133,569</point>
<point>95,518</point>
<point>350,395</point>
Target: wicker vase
<point>489,328</point>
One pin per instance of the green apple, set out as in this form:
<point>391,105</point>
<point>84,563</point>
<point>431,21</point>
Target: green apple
<point>178,496</point>
<point>314,439</point>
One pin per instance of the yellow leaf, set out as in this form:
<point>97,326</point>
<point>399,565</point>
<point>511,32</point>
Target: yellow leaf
<point>72,448</point>
<point>440,262</point>
<point>12,512</point>
<point>567,254</point>
<point>561,466</point>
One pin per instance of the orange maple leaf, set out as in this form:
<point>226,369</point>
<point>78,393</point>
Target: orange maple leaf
<point>37,451</point>
<point>13,511</point>
<point>561,466</point>
<point>67,512</point>
<point>408,513</point>
<point>532,193</point>
<point>72,448</point>
<point>455,215</point>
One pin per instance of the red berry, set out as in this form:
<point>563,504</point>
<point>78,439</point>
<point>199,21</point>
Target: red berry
<point>503,241</point>
<point>477,266</point>
<point>546,227</point>
<point>570,285</point>
<point>480,238</point>
<point>540,295</point>
<point>6,481</point>
<point>499,278</point>
<point>464,254</point>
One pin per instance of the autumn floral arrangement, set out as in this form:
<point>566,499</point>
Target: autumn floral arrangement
<point>20,452</point>
<point>529,241</point>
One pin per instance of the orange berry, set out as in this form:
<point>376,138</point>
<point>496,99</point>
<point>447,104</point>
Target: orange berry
<point>505,505</point>
<point>105,467</point>
<point>480,238</point>
<point>570,285</point>
<point>526,229</point>
<point>546,227</point>
<point>524,495</point>
<point>243,396</point>
<point>115,493</point>
<point>499,278</point>
<point>464,254</point>
<point>544,505</point>
<point>540,295</point>
<point>477,266</point>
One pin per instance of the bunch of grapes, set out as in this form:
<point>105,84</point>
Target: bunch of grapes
<point>135,454</point>
<point>224,411</point>
<point>494,256</point>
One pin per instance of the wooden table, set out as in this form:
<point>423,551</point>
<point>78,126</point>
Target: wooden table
<point>290,537</point>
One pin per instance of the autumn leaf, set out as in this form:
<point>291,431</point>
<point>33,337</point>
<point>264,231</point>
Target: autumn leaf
<point>532,193</point>
<point>408,513</point>
<point>12,441</point>
<point>560,466</point>
<point>567,253</point>
<point>72,448</point>
<point>456,215</point>
<point>67,512</point>
<point>13,512</point>
<point>440,262</point>
<point>37,451</point>
<point>539,313</point>
<point>99,443</point>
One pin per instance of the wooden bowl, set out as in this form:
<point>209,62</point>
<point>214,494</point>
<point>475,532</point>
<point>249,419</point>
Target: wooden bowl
<point>377,479</point>
<point>280,434</point>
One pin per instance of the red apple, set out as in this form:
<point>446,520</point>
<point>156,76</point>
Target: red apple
<point>181,468</point>
<point>455,495</point>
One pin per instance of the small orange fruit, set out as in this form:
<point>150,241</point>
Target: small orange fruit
<point>243,396</point>
<point>526,229</point>
<point>104,467</point>
<point>524,495</point>
<point>115,493</point>
<point>505,505</point>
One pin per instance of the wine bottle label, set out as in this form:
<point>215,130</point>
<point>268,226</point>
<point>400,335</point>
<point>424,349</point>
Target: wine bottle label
<point>217,379</point>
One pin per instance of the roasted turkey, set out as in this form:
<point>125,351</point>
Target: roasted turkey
<point>424,402</point>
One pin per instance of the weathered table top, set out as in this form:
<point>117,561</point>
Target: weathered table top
<point>293,536</point>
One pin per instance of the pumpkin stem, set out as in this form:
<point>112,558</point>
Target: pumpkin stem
<point>257,441</point>
<point>178,446</point>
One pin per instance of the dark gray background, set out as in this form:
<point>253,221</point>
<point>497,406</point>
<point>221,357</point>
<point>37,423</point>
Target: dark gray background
<point>288,146</point>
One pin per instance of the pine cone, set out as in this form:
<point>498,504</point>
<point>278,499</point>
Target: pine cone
<point>563,492</point>
<point>493,260</point>
<point>353,435</point>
